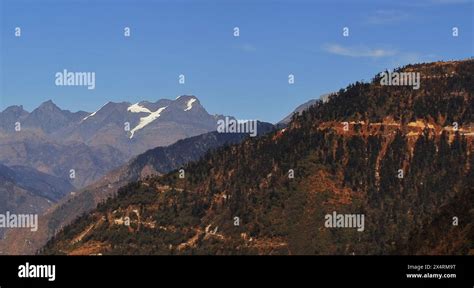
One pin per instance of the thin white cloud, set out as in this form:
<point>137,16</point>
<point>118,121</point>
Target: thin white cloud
<point>431,3</point>
<point>387,17</point>
<point>451,1</point>
<point>394,57</point>
<point>358,51</point>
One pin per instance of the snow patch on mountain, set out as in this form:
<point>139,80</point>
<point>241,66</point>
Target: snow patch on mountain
<point>137,108</point>
<point>144,121</point>
<point>190,104</point>
<point>92,114</point>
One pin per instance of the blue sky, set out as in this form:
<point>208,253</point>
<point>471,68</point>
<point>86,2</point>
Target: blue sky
<point>244,76</point>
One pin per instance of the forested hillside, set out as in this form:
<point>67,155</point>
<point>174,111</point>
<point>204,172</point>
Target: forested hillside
<point>399,156</point>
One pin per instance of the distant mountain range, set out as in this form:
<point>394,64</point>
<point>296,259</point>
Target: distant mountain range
<point>55,141</point>
<point>130,128</point>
